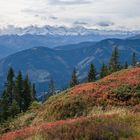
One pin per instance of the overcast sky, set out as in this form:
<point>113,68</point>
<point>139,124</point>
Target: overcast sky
<point>102,14</point>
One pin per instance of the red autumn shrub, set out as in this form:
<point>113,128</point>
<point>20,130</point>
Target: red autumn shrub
<point>105,127</point>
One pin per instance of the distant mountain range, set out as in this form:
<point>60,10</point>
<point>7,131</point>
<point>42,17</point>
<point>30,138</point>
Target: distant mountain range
<point>43,63</point>
<point>13,39</point>
<point>62,31</point>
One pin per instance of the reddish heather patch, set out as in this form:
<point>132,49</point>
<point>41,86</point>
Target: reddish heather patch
<point>130,77</point>
<point>34,129</point>
<point>83,87</point>
<point>102,90</point>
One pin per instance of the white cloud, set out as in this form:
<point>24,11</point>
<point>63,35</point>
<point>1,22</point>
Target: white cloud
<point>69,2</point>
<point>114,14</point>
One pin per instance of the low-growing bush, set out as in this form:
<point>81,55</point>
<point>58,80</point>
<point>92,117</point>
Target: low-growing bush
<point>35,105</point>
<point>86,131</point>
<point>100,127</point>
<point>123,92</point>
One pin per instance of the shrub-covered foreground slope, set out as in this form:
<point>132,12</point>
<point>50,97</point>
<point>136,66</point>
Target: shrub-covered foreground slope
<point>98,127</point>
<point>105,110</point>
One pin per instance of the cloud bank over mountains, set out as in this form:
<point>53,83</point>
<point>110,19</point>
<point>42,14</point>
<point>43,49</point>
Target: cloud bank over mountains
<point>101,14</point>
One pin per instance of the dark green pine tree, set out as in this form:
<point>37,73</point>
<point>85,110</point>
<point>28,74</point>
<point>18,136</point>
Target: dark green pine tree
<point>7,96</point>
<point>17,95</point>
<point>1,110</point>
<point>10,84</point>
<point>27,97</point>
<point>134,61</point>
<point>114,61</point>
<point>51,87</point>
<point>5,105</point>
<point>18,90</point>
<point>33,93</point>
<point>14,109</point>
<point>103,71</point>
<point>1,119</point>
<point>73,81</point>
<point>125,65</point>
<point>92,74</point>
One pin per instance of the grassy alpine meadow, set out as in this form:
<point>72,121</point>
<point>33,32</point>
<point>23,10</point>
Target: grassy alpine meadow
<point>108,109</point>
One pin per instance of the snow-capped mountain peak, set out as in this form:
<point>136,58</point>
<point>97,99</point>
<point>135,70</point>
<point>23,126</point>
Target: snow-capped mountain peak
<point>62,30</point>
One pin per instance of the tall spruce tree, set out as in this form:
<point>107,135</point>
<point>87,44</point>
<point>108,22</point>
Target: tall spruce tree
<point>103,71</point>
<point>92,74</point>
<point>18,90</point>
<point>5,105</point>
<point>114,61</point>
<point>73,81</point>
<point>125,65</point>
<point>7,96</point>
<point>33,93</point>
<point>27,97</point>
<point>51,87</point>
<point>134,61</point>
<point>9,85</point>
<point>14,109</point>
<point>17,95</point>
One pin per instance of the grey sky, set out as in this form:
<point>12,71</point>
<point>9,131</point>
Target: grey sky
<point>69,2</point>
<point>101,14</point>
